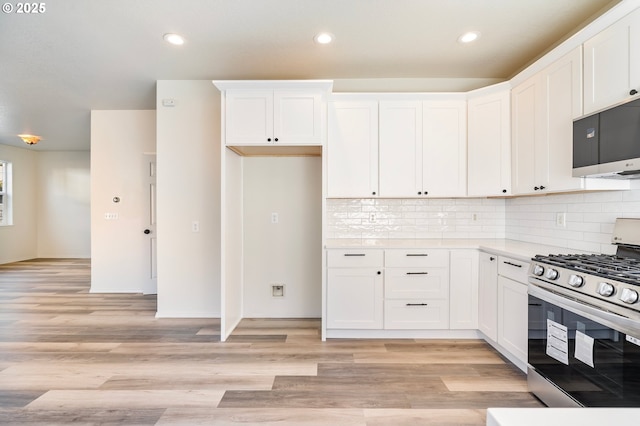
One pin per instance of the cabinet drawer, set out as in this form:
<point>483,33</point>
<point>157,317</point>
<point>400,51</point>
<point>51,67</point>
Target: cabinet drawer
<point>416,258</point>
<point>354,258</point>
<point>517,270</point>
<point>411,314</point>
<point>426,283</point>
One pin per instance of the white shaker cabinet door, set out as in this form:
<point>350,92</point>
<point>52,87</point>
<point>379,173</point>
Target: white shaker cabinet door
<point>400,127</point>
<point>249,117</point>
<point>488,295</point>
<point>489,144</point>
<point>513,308</point>
<point>612,64</point>
<point>354,298</point>
<point>444,148</point>
<point>352,149</point>
<point>297,117</point>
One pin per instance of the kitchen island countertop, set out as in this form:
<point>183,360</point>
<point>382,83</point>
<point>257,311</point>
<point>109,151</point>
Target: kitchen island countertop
<point>516,249</point>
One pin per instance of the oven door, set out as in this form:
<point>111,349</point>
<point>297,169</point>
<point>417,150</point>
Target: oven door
<point>580,355</point>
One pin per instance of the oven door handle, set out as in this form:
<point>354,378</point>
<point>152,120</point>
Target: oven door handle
<point>617,322</point>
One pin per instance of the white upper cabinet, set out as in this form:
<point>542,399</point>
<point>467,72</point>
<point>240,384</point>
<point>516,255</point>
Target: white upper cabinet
<point>612,64</point>
<point>528,139</point>
<point>352,149</point>
<point>422,148</point>
<point>287,113</point>
<point>489,142</point>
<point>543,110</point>
<point>400,147</point>
<point>444,149</point>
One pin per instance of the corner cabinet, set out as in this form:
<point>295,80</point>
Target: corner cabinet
<point>267,113</point>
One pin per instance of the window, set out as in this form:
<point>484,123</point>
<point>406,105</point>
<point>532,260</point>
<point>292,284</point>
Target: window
<point>5,193</point>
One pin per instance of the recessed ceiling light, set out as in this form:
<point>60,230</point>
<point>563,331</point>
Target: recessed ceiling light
<point>469,37</point>
<point>323,38</point>
<point>175,39</point>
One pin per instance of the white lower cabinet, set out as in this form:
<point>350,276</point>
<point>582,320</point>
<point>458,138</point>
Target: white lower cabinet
<point>416,289</point>
<point>354,298</point>
<point>416,314</point>
<point>512,317</point>
<point>355,289</point>
<point>488,295</point>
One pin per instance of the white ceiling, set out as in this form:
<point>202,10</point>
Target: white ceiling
<point>80,55</point>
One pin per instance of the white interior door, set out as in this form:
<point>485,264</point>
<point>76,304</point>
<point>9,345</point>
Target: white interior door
<point>150,277</point>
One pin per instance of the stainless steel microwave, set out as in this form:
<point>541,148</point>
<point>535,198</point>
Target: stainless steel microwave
<point>607,143</point>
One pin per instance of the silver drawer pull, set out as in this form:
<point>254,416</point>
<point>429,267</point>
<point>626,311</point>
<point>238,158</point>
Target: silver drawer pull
<point>513,264</point>
<point>417,304</point>
<point>417,273</point>
<point>355,254</point>
<point>416,254</point>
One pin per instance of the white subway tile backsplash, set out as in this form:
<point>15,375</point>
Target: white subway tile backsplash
<point>589,218</point>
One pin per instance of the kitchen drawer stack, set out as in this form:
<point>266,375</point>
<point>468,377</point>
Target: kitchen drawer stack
<point>388,289</point>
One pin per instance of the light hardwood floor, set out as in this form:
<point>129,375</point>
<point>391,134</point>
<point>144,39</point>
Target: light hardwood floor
<point>69,356</point>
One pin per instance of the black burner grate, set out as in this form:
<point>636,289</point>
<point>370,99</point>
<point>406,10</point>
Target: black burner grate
<point>614,267</point>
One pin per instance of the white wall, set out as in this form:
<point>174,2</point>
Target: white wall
<point>19,241</point>
<point>416,218</point>
<point>64,217</point>
<point>118,247</point>
<point>589,218</point>
<point>188,154</point>
<point>288,252</point>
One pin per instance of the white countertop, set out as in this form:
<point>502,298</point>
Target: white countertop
<point>563,416</point>
<point>516,249</point>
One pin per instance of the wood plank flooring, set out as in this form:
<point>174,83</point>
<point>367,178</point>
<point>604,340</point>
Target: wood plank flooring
<point>69,356</point>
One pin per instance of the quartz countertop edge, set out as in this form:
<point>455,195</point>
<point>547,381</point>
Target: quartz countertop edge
<point>562,416</point>
<point>502,247</point>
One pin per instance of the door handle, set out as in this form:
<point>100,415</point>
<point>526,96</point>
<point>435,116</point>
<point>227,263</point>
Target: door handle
<point>147,231</point>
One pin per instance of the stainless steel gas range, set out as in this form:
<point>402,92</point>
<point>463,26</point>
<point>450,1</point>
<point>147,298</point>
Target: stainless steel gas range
<point>584,325</point>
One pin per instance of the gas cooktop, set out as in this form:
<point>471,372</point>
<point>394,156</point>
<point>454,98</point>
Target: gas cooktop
<point>625,269</point>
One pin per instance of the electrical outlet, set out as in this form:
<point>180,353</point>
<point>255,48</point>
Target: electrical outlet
<point>275,217</point>
<point>474,217</point>
<point>372,217</point>
<point>195,226</point>
<point>561,220</point>
<point>277,290</point>
<point>111,216</point>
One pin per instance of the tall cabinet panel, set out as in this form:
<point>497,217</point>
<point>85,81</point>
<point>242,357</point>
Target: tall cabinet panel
<point>400,148</point>
<point>352,165</point>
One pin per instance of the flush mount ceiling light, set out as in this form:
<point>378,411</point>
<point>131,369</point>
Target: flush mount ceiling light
<point>468,37</point>
<point>175,39</point>
<point>30,139</point>
<point>323,38</point>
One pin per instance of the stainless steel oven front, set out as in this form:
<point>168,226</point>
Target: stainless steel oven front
<point>579,354</point>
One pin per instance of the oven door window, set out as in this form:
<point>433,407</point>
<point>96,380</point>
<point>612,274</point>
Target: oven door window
<point>604,371</point>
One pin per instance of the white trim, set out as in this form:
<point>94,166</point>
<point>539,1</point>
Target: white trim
<point>403,334</point>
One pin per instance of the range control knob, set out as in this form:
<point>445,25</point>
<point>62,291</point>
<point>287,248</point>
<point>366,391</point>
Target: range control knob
<point>552,274</point>
<point>576,281</point>
<point>538,270</point>
<point>629,296</point>
<point>605,289</point>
